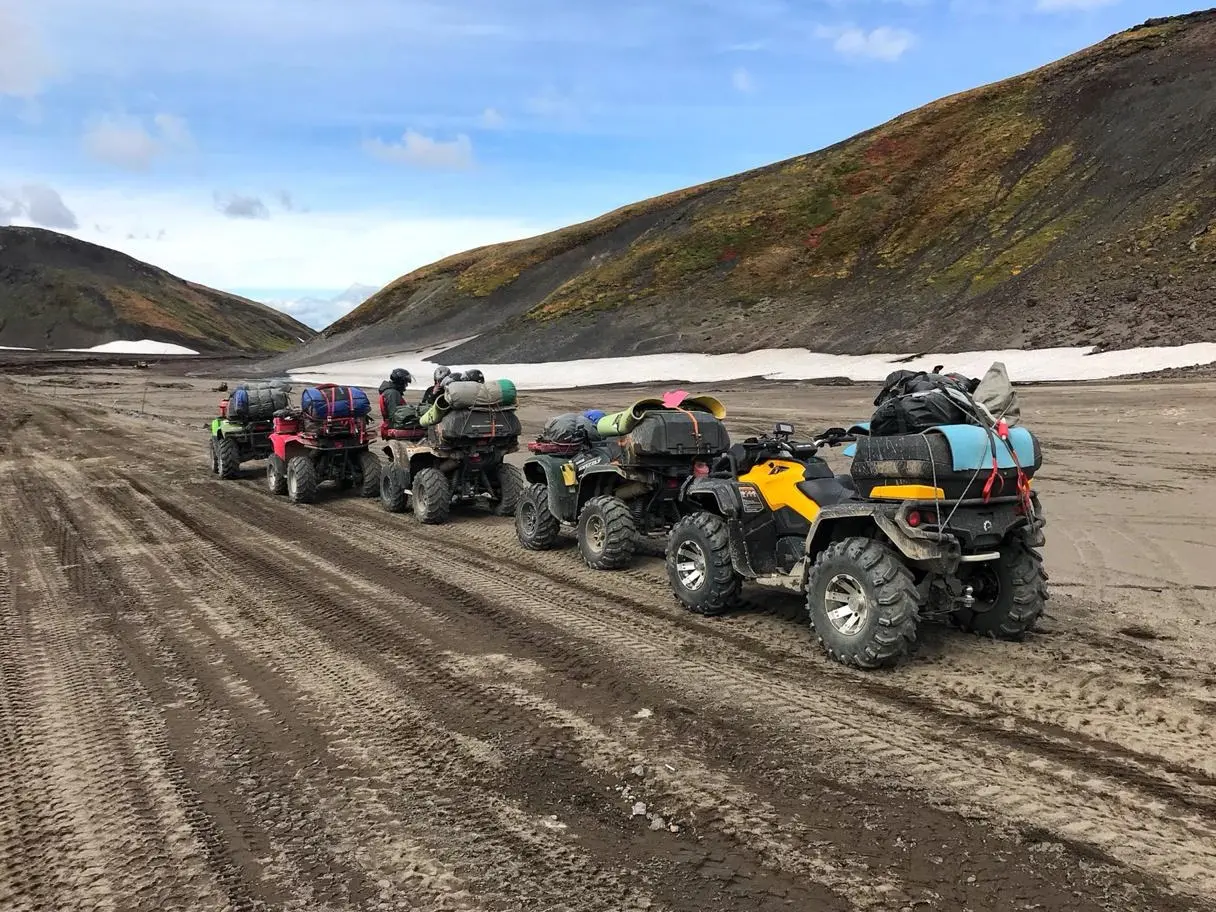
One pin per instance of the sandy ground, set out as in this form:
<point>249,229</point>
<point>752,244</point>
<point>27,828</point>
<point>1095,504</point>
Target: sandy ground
<point>211,699</point>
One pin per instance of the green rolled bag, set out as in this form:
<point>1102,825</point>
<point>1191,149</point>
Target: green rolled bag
<point>617,424</point>
<point>434,414</point>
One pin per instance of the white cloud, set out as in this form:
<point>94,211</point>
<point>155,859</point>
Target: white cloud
<point>1055,6</point>
<point>237,206</point>
<point>883,43</point>
<point>37,204</point>
<point>125,143</point>
<point>424,152</point>
<point>742,80</point>
<point>491,119</point>
<point>24,63</point>
<point>320,310</point>
<point>206,246</point>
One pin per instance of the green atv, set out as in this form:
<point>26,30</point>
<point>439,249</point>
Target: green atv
<point>235,442</point>
<point>241,431</point>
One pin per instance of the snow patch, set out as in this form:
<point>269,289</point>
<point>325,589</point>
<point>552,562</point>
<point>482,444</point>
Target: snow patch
<point>140,347</point>
<point>15,348</point>
<point>1063,364</point>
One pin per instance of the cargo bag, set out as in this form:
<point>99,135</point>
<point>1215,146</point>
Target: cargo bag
<point>676,433</point>
<point>256,403</point>
<point>914,401</point>
<point>329,400</point>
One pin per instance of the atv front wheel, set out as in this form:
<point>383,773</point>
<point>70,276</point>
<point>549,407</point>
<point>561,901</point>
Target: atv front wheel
<point>863,603</point>
<point>535,526</point>
<point>511,486</point>
<point>228,457</point>
<point>369,463</point>
<point>699,566</point>
<point>432,497</point>
<point>1010,593</point>
<point>215,459</point>
<point>606,533</point>
<point>276,475</point>
<point>301,480</point>
<point>392,488</point>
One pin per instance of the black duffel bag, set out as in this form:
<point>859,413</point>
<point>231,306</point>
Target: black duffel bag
<point>914,401</point>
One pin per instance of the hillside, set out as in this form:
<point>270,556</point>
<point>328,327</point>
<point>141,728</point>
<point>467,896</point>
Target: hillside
<point>60,292</point>
<point>1072,205</point>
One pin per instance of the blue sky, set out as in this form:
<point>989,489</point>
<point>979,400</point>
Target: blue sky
<point>291,147</point>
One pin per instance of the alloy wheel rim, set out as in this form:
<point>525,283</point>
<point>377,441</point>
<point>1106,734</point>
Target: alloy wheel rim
<point>846,603</point>
<point>596,533</point>
<point>690,565</point>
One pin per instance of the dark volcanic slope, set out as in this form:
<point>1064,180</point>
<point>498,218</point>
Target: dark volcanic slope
<point>60,292</point>
<point>1071,205</point>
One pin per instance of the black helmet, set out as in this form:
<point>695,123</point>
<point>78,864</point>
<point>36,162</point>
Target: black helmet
<point>441,372</point>
<point>400,377</point>
<point>475,375</point>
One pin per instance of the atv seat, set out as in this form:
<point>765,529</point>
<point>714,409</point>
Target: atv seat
<point>827,492</point>
<point>403,433</point>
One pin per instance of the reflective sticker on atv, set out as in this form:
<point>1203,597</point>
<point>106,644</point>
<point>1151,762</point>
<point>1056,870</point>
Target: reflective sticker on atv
<point>586,461</point>
<point>752,502</point>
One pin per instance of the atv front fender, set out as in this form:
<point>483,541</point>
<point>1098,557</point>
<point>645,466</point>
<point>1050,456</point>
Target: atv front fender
<point>722,493</point>
<point>547,470</point>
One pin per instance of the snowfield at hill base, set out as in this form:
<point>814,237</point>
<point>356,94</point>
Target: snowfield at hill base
<point>1059,364</point>
<point>140,347</point>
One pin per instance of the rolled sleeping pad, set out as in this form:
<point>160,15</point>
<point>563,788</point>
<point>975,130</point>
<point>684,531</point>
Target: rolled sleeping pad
<point>461,394</point>
<point>499,392</point>
<point>619,423</point>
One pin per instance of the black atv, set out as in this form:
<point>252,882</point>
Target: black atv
<point>617,491</point>
<point>461,460</point>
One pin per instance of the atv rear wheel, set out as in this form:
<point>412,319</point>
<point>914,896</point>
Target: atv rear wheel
<point>301,480</point>
<point>699,566</point>
<point>1010,593</point>
<point>863,603</point>
<point>369,463</point>
<point>606,533</point>
<point>228,458</point>
<point>431,497</point>
<point>511,486</point>
<point>215,459</point>
<point>393,482</point>
<point>535,526</point>
<point>276,475</point>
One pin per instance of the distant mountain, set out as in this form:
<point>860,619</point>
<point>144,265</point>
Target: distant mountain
<point>60,292</point>
<point>1074,205</point>
<point>320,312</point>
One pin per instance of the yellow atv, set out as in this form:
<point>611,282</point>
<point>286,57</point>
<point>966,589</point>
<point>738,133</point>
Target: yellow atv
<point>939,525</point>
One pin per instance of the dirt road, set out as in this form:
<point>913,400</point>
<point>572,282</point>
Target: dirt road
<point>211,699</point>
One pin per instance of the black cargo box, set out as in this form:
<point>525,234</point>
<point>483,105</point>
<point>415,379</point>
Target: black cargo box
<point>926,459</point>
<point>476,424</point>
<point>675,433</point>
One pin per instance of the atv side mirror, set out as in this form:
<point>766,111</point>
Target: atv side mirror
<point>783,429</point>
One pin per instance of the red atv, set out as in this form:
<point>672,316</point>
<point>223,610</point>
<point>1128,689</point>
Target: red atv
<point>326,439</point>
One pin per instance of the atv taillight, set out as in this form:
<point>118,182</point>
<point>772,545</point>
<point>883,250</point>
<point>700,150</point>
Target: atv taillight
<point>930,517</point>
<point>700,469</point>
<point>914,518</point>
<point>673,482</point>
